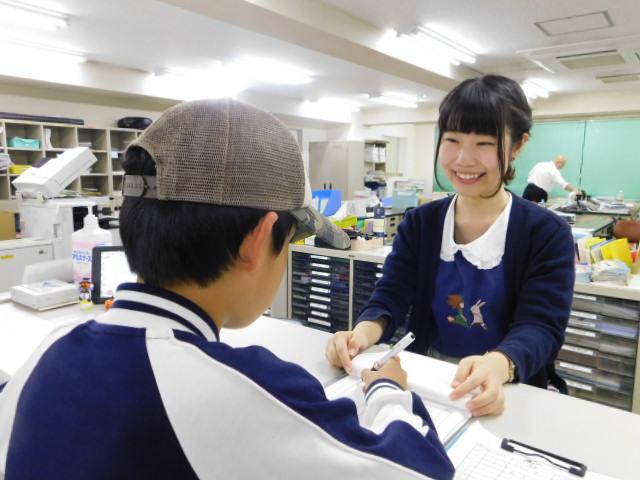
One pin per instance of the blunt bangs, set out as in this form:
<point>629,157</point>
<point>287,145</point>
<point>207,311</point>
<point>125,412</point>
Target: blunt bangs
<point>472,108</point>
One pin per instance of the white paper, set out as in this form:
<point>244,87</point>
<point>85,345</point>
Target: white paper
<point>428,378</point>
<point>477,455</point>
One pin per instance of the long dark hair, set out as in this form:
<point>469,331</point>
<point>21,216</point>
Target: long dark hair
<point>487,105</point>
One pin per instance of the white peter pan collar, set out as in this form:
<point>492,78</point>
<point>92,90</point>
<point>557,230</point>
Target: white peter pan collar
<point>486,251</point>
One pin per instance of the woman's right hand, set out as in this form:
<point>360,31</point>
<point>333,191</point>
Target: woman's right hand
<point>343,346</point>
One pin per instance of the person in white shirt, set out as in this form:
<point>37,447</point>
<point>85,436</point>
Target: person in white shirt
<point>543,177</point>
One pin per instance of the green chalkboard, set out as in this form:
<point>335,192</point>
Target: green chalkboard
<point>549,139</point>
<point>612,158</point>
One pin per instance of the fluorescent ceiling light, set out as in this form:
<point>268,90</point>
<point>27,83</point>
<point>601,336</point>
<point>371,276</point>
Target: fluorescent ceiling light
<point>16,51</point>
<point>216,82</point>
<point>329,108</point>
<point>26,15</point>
<point>533,90</point>
<point>450,49</point>
<point>263,70</point>
<point>336,104</point>
<point>395,101</point>
<point>541,65</point>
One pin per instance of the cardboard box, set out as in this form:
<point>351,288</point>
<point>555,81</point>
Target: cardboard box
<point>7,226</point>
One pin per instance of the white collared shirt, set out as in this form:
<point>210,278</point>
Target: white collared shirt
<point>486,251</point>
<point>546,176</point>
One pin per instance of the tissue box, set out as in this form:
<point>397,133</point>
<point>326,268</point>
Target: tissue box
<point>17,142</point>
<point>360,244</point>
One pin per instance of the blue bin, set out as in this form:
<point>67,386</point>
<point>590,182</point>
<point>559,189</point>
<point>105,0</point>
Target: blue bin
<point>327,202</point>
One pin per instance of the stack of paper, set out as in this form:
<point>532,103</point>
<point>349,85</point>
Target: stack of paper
<point>611,271</point>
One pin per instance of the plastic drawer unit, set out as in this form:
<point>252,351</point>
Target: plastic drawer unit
<point>365,276</point>
<point>598,358</point>
<point>320,290</point>
<point>588,391</point>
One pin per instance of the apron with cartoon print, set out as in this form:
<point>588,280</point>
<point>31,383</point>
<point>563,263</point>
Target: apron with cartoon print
<point>469,308</point>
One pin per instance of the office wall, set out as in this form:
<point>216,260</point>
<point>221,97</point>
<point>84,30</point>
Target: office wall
<point>92,114</point>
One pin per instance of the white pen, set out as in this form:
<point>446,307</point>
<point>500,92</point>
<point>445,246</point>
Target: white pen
<point>403,343</point>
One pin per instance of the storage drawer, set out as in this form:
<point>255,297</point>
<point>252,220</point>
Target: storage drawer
<point>593,358</point>
<point>593,376</point>
<point>607,325</point>
<point>600,342</point>
<point>610,307</point>
<point>591,392</point>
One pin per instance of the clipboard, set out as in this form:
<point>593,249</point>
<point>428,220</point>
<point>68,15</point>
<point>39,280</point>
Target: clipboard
<point>571,466</point>
<point>478,453</point>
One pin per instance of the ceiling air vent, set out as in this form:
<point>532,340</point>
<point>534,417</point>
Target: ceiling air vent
<point>602,58</point>
<point>575,23</point>
<point>627,77</point>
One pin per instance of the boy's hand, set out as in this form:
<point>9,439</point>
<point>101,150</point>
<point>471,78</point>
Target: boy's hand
<point>343,346</point>
<point>489,372</point>
<point>391,370</point>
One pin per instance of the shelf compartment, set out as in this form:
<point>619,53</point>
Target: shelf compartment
<point>120,139</point>
<point>94,185</point>
<point>94,138</point>
<point>25,157</point>
<point>102,165</point>
<point>59,138</point>
<point>23,130</point>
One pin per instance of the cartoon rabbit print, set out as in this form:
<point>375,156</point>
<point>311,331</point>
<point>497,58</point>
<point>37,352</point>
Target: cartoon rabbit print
<point>477,314</point>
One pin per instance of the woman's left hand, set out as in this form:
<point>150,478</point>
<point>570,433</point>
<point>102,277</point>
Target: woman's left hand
<point>489,372</point>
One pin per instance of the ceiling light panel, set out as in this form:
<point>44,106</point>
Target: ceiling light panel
<point>630,77</point>
<point>394,101</point>
<point>579,62</point>
<point>20,14</point>
<point>575,23</point>
<point>263,70</point>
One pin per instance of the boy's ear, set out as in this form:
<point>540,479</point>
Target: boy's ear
<point>254,245</point>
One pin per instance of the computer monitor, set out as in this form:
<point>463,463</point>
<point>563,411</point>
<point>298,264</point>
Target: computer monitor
<point>108,270</point>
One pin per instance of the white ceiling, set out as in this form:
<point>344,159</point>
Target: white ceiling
<point>154,36</point>
<point>497,29</point>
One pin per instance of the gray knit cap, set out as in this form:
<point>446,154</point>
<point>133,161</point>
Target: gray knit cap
<point>225,152</point>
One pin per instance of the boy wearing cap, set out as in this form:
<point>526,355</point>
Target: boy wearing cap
<point>214,190</point>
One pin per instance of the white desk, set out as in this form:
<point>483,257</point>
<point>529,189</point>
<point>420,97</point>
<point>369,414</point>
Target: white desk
<point>603,438</point>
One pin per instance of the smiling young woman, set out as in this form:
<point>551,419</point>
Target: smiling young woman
<point>482,278</point>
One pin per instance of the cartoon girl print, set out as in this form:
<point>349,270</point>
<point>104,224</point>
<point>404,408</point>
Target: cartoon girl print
<point>456,302</point>
<point>478,319</point>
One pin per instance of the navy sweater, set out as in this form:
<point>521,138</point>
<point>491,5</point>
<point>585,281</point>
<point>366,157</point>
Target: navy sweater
<point>539,275</point>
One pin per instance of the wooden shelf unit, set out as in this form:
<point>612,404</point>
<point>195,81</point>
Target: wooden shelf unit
<point>107,144</point>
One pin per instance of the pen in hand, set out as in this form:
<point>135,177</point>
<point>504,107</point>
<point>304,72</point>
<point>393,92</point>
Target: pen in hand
<point>403,343</point>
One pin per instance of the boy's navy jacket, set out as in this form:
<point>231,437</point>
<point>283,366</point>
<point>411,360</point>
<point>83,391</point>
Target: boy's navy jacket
<point>146,391</point>
<point>539,275</point>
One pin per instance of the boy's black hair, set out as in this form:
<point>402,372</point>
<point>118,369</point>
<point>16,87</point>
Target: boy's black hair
<point>487,105</point>
<point>172,242</point>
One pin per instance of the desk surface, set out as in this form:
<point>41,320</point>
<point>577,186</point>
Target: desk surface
<point>604,438</point>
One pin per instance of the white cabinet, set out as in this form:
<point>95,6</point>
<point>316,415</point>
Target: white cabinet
<point>16,254</point>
